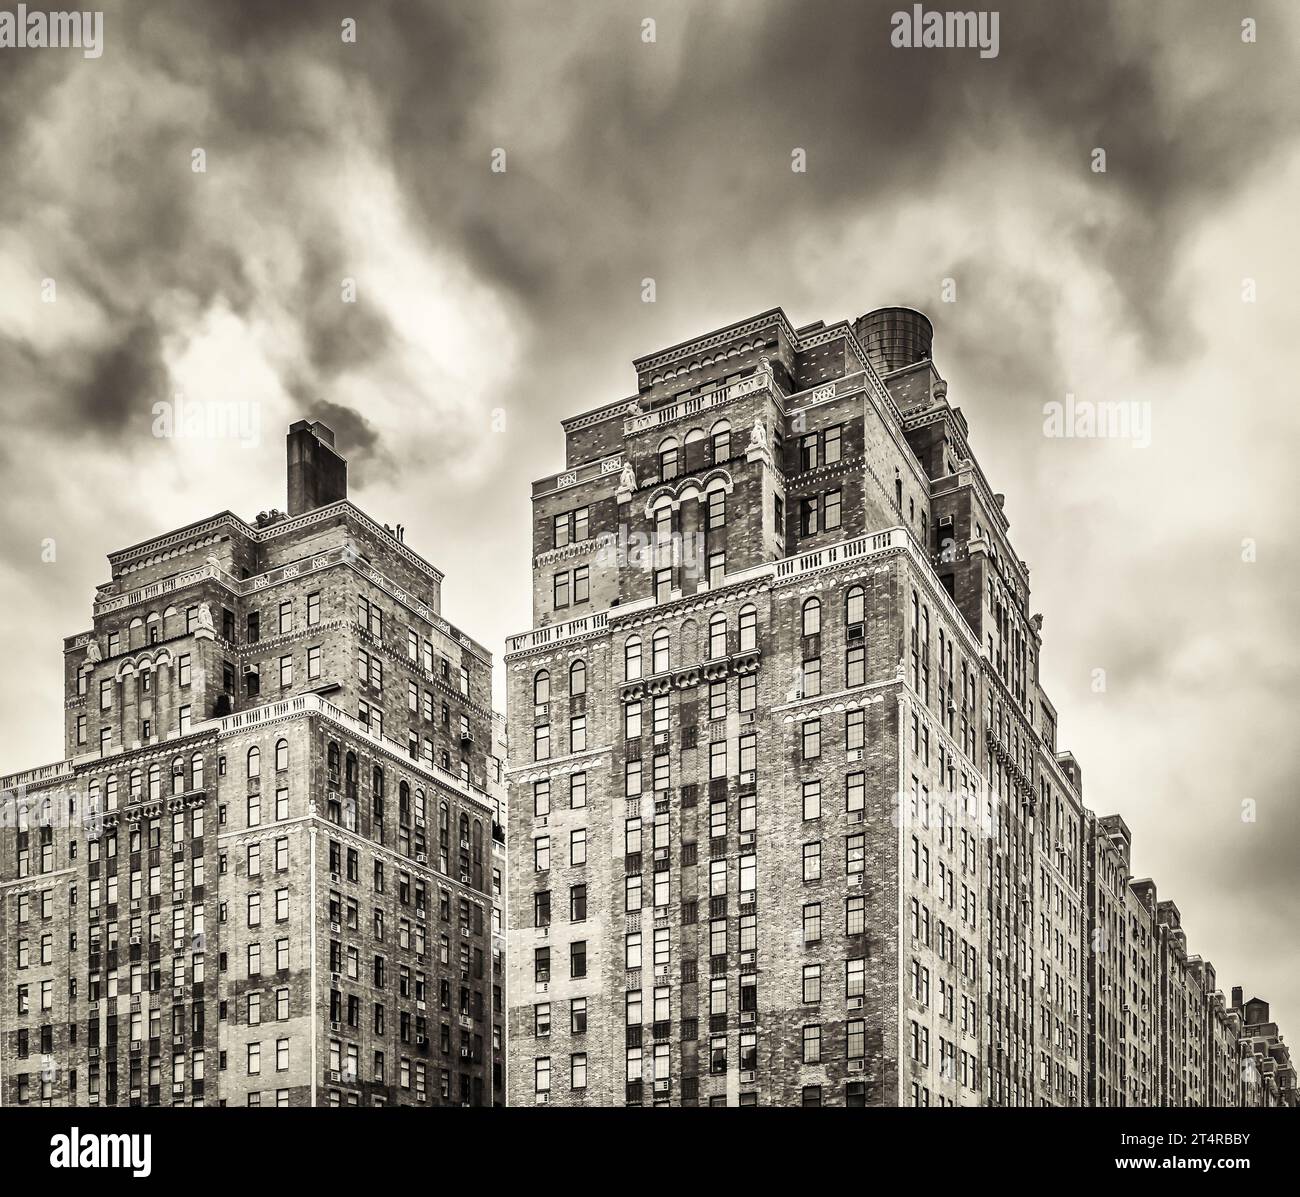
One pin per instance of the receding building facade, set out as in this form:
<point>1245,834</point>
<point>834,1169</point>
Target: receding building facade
<point>263,873</point>
<point>789,822</point>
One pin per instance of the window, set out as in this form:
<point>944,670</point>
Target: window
<point>812,983</point>
<point>632,659</point>
<point>812,1044</point>
<point>313,609</point>
<point>748,629</point>
<point>561,589</point>
<point>578,958</point>
<point>812,677</point>
<point>831,510</point>
<point>812,617</point>
<point>812,800</point>
<point>541,688</point>
<point>720,442</point>
<point>542,1074</point>
<point>808,517</point>
<point>659,651</point>
<point>542,742</point>
<point>812,861</point>
<point>577,678</point>
<point>578,1070</point>
<point>542,853</point>
<point>811,739</point>
<point>577,903</point>
<point>715,515</point>
<point>812,922</point>
<point>578,846</point>
<point>718,636</point>
<point>668,460</point>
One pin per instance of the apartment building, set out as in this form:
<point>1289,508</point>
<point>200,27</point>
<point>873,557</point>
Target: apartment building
<point>262,873</point>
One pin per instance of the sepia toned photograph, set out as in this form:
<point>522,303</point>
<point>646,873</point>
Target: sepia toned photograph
<point>574,555</point>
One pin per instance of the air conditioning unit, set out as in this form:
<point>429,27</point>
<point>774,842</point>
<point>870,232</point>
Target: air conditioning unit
<point>177,1040</point>
<point>945,521</point>
<point>661,737</point>
<point>663,1086</point>
<point>747,777</point>
<point>748,957</point>
<point>746,838</point>
<point>747,717</point>
<point>854,1003</point>
<point>856,816</point>
<point>336,877</point>
<point>543,986</point>
<point>335,928</point>
<point>419,820</point>
<point>857,1065</point>
<point>135,1002</point>
<point>853,756</point>
<point>135,941</point>
<point>421,1041</point>
<point>542,1098</point>
<point>747,1016</point>
<point>856,631</point>
<point>94,1053</point>
<point>178,993</point>
<point>661,970</point>
<point>421,858</point>
<point>334,1075</point>
<point>748,1075</point>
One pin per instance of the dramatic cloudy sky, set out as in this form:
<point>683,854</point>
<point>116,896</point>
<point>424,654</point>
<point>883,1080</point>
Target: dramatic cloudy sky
<point>519,293</point>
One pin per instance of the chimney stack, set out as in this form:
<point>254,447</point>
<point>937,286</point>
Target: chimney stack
<point>318,475</point>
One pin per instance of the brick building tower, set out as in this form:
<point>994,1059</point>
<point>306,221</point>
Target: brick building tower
<point>263,873</point>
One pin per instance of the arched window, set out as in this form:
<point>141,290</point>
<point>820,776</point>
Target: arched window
<point>92,801</point>
<point>135,781</point>
<point>668,459</point>
<point>332,757</point>
<point>377,783</point>
<point>464,831</point>
<point>659,651</point>
<point>178,776</point>
<point>542,687</point>
<point>632,659</point>
<point>855,606</point>
<point>196,771</point>
<point>478,840</point>
<point>155,782</point>
<point>720,442</point>
<point>748,629</point>
<point>419,806</point>
<point>812,616</point>
<point>403,802</point>
<point>718,635</point>
<point>444,817</point>
<point>281,755</point>
<point>255,761</point>
<point>110,793</point>
<point>578,678</point>
<point>350,770</point>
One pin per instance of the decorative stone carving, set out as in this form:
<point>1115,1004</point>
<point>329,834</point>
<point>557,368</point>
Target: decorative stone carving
<point>204,630</point>
<point>93,655</point>
<point>757,449</point>
<point>626,483</point>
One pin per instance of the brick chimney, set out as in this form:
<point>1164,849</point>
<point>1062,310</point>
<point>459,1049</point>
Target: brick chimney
<point>318,475</point>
